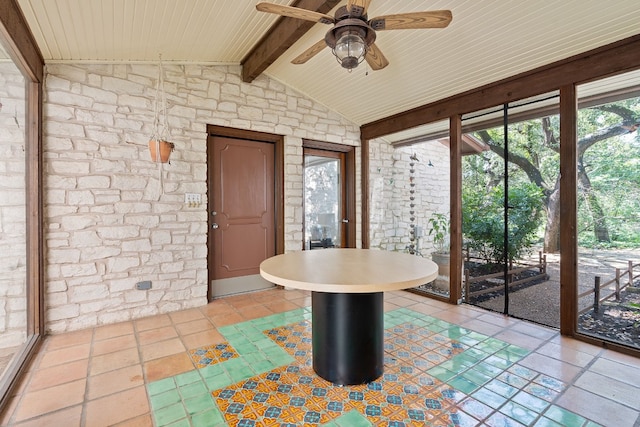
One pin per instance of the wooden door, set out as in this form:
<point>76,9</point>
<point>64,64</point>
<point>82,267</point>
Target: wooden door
<point>242,216</point>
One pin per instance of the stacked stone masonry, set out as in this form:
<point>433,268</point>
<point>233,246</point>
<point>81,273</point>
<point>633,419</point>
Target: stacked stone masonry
<point>114,218</point>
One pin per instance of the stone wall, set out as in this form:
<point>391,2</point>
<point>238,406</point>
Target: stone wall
<point>13,270</point>
<point>114,218</point>
<point>390,191</point>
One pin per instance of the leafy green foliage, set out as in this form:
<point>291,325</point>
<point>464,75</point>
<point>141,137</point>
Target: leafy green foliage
<point>483,220</point>
<point>439,228</point>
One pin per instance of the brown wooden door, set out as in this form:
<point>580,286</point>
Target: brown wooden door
<point>242,223</point>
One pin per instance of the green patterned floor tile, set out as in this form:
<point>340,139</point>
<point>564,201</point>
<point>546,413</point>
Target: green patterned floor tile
<point>170,414</point>
<point>198,404</point>
<point>211,418</point>
<point>194,389</point>
<point>476,377</point>
<point>165,399</point>
<point>463,384</point>
<point>546,422</point>
<point>564,417</point>
<point>161,386</point>
<point>519,413</point>
<point>468,363</point>
<point>353,419</point>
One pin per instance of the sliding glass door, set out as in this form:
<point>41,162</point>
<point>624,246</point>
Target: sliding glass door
<point>608,164</point>
<point>510,210</point>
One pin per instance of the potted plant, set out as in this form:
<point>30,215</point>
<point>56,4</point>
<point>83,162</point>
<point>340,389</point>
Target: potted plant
<point>160,149</point>
<point>438,225</point>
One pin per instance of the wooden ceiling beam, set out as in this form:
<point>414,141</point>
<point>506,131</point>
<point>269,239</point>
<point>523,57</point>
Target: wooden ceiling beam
<point>22,46</point>
<point>611,59</point>
<point>280,37</point>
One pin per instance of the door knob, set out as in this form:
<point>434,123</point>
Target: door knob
<point>214,225</point>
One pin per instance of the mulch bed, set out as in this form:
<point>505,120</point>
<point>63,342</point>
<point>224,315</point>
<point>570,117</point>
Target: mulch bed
<point>477,269</point>
<point>616,320</point>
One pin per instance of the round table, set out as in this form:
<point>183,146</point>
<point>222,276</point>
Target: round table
<point>347,287</point>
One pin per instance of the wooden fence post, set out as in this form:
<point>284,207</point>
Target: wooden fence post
<point>617,284</point>
<point>596,295</point>
<point>630,273</point>
<point>467,286</point>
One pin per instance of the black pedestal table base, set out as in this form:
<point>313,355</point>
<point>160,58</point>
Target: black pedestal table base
<point>348,336</point>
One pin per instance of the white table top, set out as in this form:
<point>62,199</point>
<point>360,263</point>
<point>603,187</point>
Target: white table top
<point>348,270</point>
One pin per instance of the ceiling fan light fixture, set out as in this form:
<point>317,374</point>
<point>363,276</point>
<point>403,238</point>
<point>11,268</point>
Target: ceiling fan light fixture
<point>350,49</point>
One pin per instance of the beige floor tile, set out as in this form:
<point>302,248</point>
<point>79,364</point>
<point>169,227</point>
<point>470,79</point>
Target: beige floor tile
<point>59,374</point>
<point>226,319</point>
<point>142,421</point>
<point>519,339</point>
<point>114,381</point>
<point>451,316</point>
<point>111,331</point>
<point>69,417</point>
<point>594,407</point>
<point>113,344</point>
<point>69,339</point>
<point>152,322</point>
<point>41,402</point>
<point>151,336</point>
<point>535,331</point>
<point>291,294</point>
<point>64,355</point>
<point>610,388</point>
<point>302,302</point>
<point>280,306</point>
<point>566,354</point>
<point>186,315</point>
<point>389,306</point>
<point>9,409</point>
<point>168,366</point>
<point>429,310</point>
<point>194,326</point>
<point>554,368</point>
<point>253,312</point>
<point>619,371</point>
<point>401,301</point>
<point>111,361</point>
<point>581,346</point>
<point>202,339</point>
<point>481,327</point>
<point>161,349</point>
<point>243,302</point>
<point>117,408</point>
<point>216,308</point>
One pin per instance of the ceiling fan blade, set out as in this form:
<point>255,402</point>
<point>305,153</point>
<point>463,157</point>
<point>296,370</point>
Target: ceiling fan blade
<point>402,21</point>
<point>358,8</point>
<point>295,12</point>
<point>375,58</point>
<point>309,53</point>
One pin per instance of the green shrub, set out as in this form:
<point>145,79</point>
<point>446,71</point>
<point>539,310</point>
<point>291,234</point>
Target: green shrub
<point>483,220</point>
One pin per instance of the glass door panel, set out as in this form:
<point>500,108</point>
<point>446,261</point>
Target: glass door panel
<point>608,163</point>
<point>509,210</point>
<point>13,234</point>
<point>323,200</point>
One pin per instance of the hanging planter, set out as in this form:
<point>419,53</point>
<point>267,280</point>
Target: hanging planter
<point>160,150</point>
<point>159,146</point>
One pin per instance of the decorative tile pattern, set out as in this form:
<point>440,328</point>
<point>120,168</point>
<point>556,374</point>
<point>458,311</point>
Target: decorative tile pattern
<point>436,373</point>
<point>212,354</point>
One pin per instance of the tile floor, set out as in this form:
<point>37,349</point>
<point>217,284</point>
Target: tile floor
<point>245,361</point>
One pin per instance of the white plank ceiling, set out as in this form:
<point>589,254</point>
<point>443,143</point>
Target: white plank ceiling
<point>487,41</point>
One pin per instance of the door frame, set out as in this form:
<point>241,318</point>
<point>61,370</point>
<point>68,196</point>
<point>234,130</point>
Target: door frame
<point>349,196</point>
<point>278,184</point>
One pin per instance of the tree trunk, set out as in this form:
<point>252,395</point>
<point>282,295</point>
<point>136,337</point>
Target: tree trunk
<point>552,229</point>
<point>600,229</point>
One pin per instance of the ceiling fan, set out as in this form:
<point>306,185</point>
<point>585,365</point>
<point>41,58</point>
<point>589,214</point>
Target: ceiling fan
<point>352,37</point>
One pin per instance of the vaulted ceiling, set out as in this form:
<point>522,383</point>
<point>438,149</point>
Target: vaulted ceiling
<point>487,41</point>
